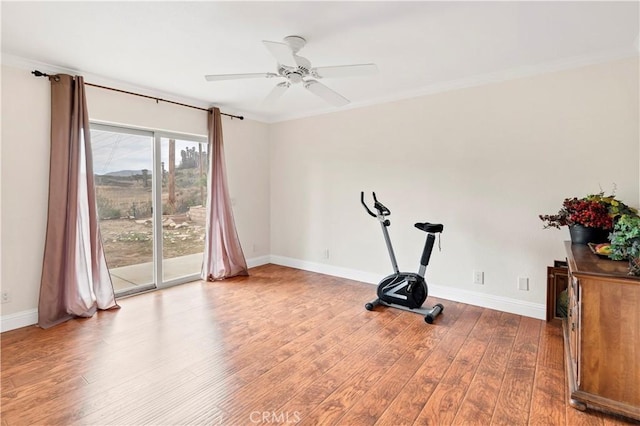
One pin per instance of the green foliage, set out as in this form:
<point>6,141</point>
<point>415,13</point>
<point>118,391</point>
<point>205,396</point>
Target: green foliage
<point>132,236</point>
<point>625,238</point>
<point>106,209</point>
<point>616,208</point>
<point>191,158</point>
<point>140,209</point>
<point>595,211</point>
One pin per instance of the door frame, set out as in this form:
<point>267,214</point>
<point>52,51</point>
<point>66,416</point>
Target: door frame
<point>156,197</point>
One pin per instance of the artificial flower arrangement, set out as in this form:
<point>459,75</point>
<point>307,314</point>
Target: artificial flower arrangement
<point>593,211</point>
<point>616,220</point>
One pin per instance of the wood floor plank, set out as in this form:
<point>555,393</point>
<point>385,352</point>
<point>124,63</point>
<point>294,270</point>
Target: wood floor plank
<point>444,402</point>
<point>415,341</point>
<point>525,347</point>
<point>547,401</point>
<point>587,418</point>
<point>365,347</point>
<point>408,403</point>
<point>514,401</point>
<point>286,346</point>
<point>482,394</point>
<point>370,369</point>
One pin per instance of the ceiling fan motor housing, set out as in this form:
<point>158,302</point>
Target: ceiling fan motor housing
<point>295,42</point>
<point>296,74</point>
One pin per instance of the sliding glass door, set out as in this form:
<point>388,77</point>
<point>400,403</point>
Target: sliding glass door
<point>123,164</point>
<point>184,184</point>
<point>151,192</point>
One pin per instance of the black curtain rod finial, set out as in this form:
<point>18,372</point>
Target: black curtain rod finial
<point>42,74</point>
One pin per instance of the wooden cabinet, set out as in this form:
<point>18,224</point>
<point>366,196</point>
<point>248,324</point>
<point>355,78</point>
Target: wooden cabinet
<point>602,334</point>
<point>557,284</point>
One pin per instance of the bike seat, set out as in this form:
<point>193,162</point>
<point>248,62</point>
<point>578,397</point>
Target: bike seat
<point>430,227</point>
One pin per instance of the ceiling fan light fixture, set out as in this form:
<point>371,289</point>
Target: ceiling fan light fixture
<point>295,78</point>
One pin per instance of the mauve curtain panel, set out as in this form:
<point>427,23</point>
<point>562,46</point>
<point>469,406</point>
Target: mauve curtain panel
<point>75,278</point>
<point>223,256</point>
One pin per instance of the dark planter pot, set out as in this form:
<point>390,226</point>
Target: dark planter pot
<point>583,235</point>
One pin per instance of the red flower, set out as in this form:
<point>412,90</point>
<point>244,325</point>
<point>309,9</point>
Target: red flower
<point>594,211</point>
<point>587,213</point>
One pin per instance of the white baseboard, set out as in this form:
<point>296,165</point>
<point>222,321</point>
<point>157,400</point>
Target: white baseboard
<point>500,303</point>
<point>18,320</point>
<point>323,268</point>
<point>258,261</point>
<point>30,317</point>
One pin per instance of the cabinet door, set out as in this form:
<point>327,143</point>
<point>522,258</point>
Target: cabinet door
<point>574,326</point>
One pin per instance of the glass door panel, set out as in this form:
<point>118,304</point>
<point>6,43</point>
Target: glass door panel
<point>122,166</point>
<point>184,181</point>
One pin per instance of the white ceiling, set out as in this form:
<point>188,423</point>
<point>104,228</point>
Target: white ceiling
<point>166,48</point>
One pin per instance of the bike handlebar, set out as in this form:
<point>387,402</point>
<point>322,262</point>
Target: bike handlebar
<point>382,210</point>
<point>365,205</point>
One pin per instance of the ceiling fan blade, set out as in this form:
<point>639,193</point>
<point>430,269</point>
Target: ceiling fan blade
<point>325,93</point>
<point>221,77</point>
<point>276,92</point>
<point>282,52</point>
<point>345,70</point>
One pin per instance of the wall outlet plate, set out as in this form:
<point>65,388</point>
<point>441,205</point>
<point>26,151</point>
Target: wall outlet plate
<point>478,277</point>
<point>523,283</point>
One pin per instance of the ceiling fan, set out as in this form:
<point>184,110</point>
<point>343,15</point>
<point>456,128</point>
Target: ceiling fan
<point>297,70</point>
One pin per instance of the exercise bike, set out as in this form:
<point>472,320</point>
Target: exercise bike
<point>404,290</point>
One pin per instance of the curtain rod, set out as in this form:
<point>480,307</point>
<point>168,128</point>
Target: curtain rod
<point>41,74</point>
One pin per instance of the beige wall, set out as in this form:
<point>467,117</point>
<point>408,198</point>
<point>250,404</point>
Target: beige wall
<point>25,172</point>
<point>484,161</point>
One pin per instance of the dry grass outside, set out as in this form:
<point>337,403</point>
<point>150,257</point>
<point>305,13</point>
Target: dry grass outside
<point>130,242</point>
<point>125,209</point>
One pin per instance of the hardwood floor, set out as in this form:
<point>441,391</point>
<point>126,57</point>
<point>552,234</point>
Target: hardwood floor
<point>285,346</point>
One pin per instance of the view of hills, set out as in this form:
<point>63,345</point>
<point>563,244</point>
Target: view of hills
<point>124,173</point>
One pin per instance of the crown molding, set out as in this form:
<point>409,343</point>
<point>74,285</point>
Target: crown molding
<point>484,79</point>
<point>440,87</point>
<point>30,64</point>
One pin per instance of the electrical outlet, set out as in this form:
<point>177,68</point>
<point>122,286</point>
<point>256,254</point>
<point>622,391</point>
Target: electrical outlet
<point>523,283</point>
<point>478,277</point>
<point>6,297</point>
<point>325,253</point>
